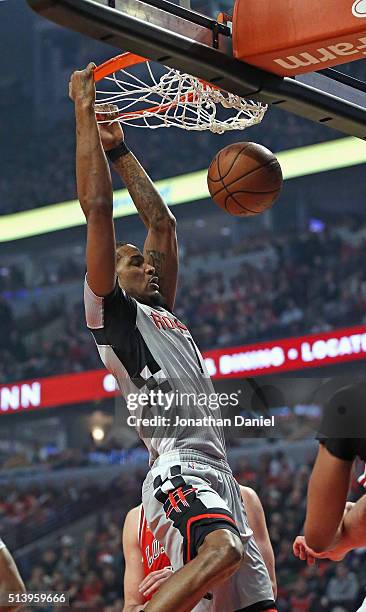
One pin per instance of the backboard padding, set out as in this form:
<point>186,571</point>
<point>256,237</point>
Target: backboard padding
<point>127,29</point>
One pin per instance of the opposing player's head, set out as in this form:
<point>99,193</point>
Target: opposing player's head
<point>136,276</point>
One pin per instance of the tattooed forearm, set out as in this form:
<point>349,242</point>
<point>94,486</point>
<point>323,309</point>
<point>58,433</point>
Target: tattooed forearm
<point>148,201</point>
<point>157,259</point>
<point>160,248</point>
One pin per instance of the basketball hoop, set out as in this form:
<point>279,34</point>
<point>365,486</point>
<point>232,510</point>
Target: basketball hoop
<point>171,99</point>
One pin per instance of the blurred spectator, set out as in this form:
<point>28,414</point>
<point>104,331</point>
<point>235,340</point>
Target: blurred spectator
<point>301,599</point>
<point>343,587</point>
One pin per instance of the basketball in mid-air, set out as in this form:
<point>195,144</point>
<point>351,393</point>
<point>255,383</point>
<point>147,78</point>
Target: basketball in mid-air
<point>244,179</point>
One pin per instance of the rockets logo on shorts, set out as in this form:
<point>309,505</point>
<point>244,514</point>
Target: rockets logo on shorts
<point>174,493</point>
<point>179,500</point>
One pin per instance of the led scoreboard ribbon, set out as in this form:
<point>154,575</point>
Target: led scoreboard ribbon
<point>286,355</point>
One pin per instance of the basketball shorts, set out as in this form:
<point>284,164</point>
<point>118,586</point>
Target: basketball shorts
<point>187,495</point>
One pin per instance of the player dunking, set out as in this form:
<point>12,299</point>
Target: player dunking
<point>191,500</point>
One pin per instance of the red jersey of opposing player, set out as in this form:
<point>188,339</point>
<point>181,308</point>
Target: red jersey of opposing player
<point>153,554</point>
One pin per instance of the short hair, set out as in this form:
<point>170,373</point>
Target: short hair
<point>119,244</point>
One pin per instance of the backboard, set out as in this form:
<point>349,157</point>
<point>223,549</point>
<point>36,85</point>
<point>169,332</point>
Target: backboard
<point>196,44</point>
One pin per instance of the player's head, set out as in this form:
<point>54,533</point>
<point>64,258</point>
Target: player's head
<point>136,276</point>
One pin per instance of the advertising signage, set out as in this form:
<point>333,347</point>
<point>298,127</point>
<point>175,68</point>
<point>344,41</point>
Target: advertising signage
<point>278,356</point>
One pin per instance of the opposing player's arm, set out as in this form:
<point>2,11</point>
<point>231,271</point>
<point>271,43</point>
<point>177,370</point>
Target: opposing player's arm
<point>351,534</point>
<point>94,185</point>
<point>352,531</point>
<point>10,579</point>
<point>257,522</point>
<point>160,249</point>
<point>327,496</point>
<point>134,571</point>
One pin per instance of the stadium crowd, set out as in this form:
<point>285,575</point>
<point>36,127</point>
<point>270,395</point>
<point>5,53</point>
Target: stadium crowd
<point>89,571</point>
<point>303,284</point>
<point>29,513</point>
<point>90,566</point>
<point>48,177</point>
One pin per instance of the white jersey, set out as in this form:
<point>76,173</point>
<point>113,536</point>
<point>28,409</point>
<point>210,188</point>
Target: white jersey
<point>149,350</point>
<point>2,544</point>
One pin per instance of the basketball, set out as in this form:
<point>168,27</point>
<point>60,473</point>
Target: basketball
<point>244,179</point>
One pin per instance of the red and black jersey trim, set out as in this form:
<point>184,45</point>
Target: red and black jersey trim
<point>199,526</point>
<point>188,513</point>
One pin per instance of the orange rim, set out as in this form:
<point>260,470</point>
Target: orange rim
<point>127,60</point>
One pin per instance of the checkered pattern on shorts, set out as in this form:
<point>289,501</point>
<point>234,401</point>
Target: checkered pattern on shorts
<point>152,381</point>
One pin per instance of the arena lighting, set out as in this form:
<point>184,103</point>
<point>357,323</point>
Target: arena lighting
<point>97,433</point>
<point>312,159</point>
<point>270,357</point>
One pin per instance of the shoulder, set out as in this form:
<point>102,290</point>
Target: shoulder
<point>131,527</point>
<point>132,517</point>
<point>101,310</point>
<point>347,402</point>
<point>248,494</point>
<point>117,294</point>
<point>346,449</point>
<point>343,428</point>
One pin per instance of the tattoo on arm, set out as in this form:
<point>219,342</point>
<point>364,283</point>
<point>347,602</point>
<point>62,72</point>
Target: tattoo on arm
<point>148,201</point>
<point>157,259</point>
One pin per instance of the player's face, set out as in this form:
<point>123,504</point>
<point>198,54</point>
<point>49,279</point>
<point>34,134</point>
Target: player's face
<point>136,276</point>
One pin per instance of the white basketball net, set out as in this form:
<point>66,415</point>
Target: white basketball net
<point>177,99</point>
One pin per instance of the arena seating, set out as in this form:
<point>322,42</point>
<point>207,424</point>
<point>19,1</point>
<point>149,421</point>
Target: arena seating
<point>255,291</point>
<point>90,567</point>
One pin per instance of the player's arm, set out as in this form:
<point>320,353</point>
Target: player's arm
<point>353,528</point>
<point>351,533</point>
<point>327,496</point>
<point>334,553</point>
<point>160,248</point>
<point>134,571</point>
<point>94,185</point>
<point>257,522</point>
<point>10,579</point>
